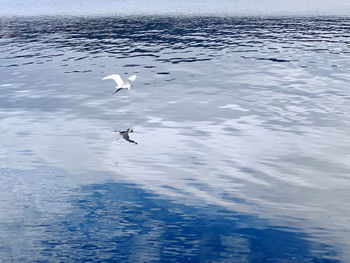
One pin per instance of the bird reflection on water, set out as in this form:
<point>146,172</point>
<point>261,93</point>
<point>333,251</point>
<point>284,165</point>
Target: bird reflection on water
<point>125,135</point>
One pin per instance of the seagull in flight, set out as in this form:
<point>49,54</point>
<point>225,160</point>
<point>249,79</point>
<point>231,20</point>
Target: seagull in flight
<point>121,84</point>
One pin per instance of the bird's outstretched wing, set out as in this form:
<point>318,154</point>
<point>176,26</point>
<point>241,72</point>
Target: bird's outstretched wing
<point>116,78</point>
<point>127,138</point>
<point>132,78</point>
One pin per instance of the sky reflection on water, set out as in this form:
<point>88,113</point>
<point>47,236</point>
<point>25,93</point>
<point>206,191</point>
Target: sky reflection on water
<point>118,222</point>
<point>242,131</point>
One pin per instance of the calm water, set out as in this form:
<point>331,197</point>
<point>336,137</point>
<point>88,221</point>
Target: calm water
<point>240,150</point>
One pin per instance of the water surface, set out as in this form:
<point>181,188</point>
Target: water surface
<point>242,132</point>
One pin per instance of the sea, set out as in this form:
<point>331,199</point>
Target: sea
<point>232,145</point>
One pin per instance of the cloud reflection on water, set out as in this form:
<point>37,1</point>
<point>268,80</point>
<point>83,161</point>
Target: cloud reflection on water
<point>215,126</point>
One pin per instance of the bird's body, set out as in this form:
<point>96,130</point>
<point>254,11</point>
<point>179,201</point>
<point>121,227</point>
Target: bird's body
<point>121,84</point>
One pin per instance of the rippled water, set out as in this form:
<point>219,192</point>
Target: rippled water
<point>239,152</point>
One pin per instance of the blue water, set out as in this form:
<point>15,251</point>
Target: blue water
<point>239,151</point>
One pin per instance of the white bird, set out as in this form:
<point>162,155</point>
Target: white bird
<point>121,84</point>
